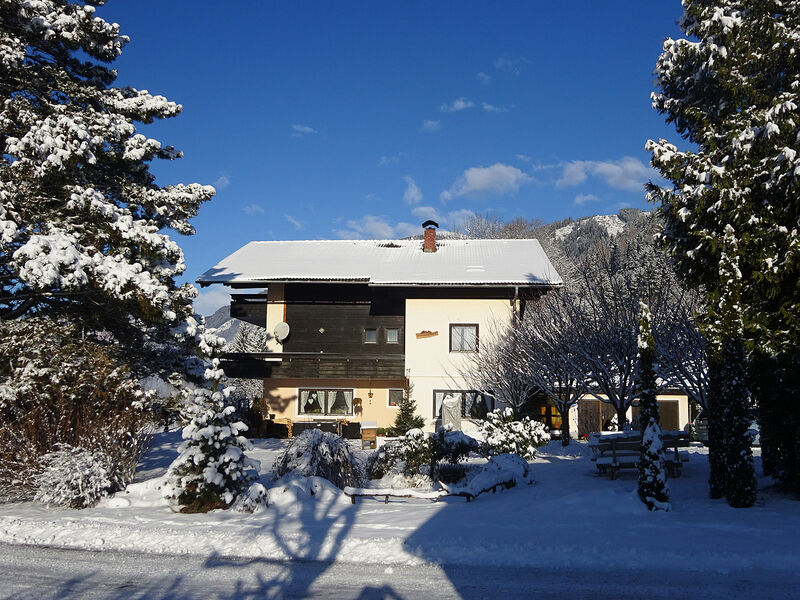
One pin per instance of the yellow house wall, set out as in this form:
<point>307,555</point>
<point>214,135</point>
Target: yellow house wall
<point>276,312</point>
<point>281,397</point>
<point>429,363</point>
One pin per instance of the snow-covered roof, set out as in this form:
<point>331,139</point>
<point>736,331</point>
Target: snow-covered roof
<point>388,262</point>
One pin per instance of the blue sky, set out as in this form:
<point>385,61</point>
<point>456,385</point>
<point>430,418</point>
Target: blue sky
<point>343,120</point>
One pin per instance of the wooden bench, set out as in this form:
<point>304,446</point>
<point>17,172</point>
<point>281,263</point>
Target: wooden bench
<point>615,452</point>
<point>387,493</point>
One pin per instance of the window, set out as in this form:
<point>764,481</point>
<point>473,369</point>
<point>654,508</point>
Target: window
<point>396,397</point>
<point>474,405</point>
<point>392,335</point>
<point>370,336</point>
<point>549,415</point>
<point>464,337</point>
<point>325,402</point>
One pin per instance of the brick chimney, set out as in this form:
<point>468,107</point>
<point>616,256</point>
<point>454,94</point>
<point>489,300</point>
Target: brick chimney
<point>429,241</point>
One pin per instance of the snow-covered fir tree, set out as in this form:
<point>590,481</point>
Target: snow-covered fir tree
<point>407,417</point>
<point>653,490</point>
<point>82,221</point>
<point>211,469</point>
<point>732,90</point>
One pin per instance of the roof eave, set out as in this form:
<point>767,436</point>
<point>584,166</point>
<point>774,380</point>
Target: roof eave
<point>258,282</point>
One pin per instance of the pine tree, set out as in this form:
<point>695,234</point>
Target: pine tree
<point>406,418</point>
<point>733,90</point>
<point>81,220</point>
<point>211,469</point>
<point>725,326</point>
<point>653,490</point>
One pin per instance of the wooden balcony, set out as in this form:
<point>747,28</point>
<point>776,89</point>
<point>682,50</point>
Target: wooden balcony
<point>309,365</point>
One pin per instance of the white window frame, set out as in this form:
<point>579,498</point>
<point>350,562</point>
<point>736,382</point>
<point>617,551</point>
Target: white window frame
<point>389,393</point>
<point>324,415</point>
<point>477,328</point>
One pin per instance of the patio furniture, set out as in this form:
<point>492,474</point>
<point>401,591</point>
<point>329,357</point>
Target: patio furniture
<point>621,450</point>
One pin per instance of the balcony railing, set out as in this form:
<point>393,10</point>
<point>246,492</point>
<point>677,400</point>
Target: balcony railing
<point>310,365</point>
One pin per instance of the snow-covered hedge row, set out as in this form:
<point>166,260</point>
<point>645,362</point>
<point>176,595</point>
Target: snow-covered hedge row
<point>316,453</point>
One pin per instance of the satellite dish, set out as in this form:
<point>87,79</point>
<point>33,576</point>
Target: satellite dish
<point>281,331</point>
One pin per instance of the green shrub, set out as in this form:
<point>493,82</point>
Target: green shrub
<point>414,451</point>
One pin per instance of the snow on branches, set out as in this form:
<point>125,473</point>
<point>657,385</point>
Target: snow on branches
<point>653,490</point>
<point>503,434</point>
<point>72,477</point>
<point>732,211</point>
<point>81,219</point>
<point>212,468</point>
<point>316,453</point>
<point>733,90</point>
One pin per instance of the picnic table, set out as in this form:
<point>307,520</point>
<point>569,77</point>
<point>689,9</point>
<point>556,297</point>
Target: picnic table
<point>615,450</point>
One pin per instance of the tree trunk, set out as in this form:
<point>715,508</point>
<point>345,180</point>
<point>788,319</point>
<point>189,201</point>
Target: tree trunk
<point>564,427</point>
<point>622,418</point>
<point>789,393</point>
<point>741,484</point>
<point>764,374</point>
<point>716,437</point>
<point>781,423</point>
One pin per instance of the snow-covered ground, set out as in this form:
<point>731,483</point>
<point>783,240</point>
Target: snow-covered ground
<point>36,572</point>
<point>570,518</point>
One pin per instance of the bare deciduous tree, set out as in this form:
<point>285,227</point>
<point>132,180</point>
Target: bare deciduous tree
<point>549,338</point>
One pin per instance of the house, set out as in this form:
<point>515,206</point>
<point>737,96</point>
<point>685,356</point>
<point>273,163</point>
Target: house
<point>354,321</point>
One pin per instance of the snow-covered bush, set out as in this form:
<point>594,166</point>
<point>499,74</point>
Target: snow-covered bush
<point>452,446</point>
<point>416,451</point>
<point>501,471</point>
<point>212,468</point>
<point>381,461</point>
<point>504,435</point>
<point>252,500</point>
<point>413,450</point>
<point>62,386</point>
<point>316,453</point>
<point>72,477</point>
<point>291,491</point>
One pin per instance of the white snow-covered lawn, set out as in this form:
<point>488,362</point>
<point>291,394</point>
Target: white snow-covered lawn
<point>569,517</point>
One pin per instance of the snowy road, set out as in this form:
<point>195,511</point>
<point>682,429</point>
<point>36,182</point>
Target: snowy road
<point>31,572</point>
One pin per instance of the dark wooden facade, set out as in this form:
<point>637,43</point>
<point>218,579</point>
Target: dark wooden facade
<point>328,322</point>
<point>313,366</point>
<point>250,308</point>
